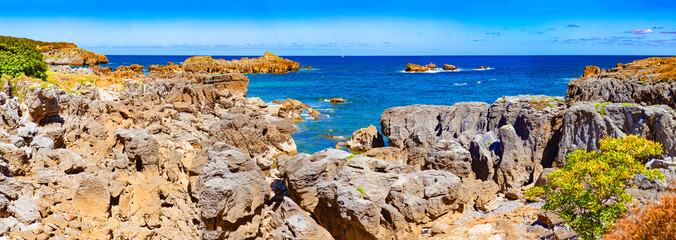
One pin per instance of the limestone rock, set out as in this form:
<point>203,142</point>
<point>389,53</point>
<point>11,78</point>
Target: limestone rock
<point>387,153</point>
<point>449,67</point>
<point>43,103</point>
<point>269,63</point>
<point>365,139</point>
<point>337,100</point>
<point>141,149</point>
<point>92,197</point>
<point>586,123</point>
<point>294,223</point>
<point>254,136</point>
<point>423,125</point>
<point>549,218</point>
<point>73,57</point>
<point>365,198</point>
<point>636,82</point>
<point>231,188</point>
<point>448,155</point>
<point>24,211</point>
<point>292,109</point>
<point>589,70</point>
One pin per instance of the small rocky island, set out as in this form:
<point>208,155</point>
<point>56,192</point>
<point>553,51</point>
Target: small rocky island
<point>184,154</point>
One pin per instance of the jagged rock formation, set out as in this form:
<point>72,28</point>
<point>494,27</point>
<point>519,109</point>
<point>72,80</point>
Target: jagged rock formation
<point>365,139</point>
<point>365,198</point>
<point>179,154</point>
<point>586,123</point>
<point>410,67</point>
<point>134,164</point>
<point>73,57</point>
<point>649,82</point>
<point>511,141</point>
<point>268,63</point>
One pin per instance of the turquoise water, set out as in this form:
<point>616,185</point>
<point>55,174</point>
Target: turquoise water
<point>372,84</point>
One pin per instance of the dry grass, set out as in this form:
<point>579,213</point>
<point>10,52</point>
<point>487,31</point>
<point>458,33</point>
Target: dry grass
<point>69,81</point>
<point>665,66</point>
<point>655,221</point>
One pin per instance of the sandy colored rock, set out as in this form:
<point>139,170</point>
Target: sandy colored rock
<point>365,139</point>
<point>292,109</point>
<point>92,197</point>
<point>449,67</point>
<point>387,154</point>
<point>337,100</point>
<point>73,57</point>
<point>269,63</point>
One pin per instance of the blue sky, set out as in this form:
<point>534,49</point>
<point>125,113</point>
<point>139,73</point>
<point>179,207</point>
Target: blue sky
<point>479,27</point>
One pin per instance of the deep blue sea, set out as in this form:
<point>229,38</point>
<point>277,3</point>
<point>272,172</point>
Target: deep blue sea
<point>373,84</point>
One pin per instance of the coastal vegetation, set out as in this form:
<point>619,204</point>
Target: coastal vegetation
<point>20,57</point>
<point>656,220</point>
<point>589,192</point>
<point>44,46</point>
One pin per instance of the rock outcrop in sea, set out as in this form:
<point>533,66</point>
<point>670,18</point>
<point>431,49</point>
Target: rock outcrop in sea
<point>268,63</point>
<point>177,154</point>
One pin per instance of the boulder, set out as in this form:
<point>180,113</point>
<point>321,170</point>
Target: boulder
<point>550,219</point>
<point>294,223</point>
<point>423,125</point>
<point>449,155</point>
<point>253,135</point>
<point>92,197</point>
<point>449,67</point>
<point>43,103</point>
<point>365,198</point>
<point>292,109</point>
<point>590,70</point>
<point>431,66</point>
<point>313,113</point>
<point>141,149</point>
<point>337,100</point>
<point>386,153</point>
<point>410,67</point>
<point>231,189</point>
<point>24,211</point>
<point>365,139</point>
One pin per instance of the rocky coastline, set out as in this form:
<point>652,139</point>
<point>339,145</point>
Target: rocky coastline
<point>182,153</point>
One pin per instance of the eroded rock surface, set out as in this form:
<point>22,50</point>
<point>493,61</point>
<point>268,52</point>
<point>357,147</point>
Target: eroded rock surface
<point>365,198</point>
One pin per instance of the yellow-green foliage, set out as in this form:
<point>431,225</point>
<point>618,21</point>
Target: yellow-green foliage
<point>589,191</point>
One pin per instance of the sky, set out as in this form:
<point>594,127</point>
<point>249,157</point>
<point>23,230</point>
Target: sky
<point>366,27</point>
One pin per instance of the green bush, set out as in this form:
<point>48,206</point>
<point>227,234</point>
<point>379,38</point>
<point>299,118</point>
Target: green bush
<point>589,191</point>
<point>19,57</point>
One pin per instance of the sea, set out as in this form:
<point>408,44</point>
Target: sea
<point>371,84</point>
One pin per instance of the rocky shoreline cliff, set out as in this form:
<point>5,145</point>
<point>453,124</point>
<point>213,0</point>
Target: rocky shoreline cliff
<point>182,154</point>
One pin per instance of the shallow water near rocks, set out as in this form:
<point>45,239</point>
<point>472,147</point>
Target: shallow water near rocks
<point>372,84</point>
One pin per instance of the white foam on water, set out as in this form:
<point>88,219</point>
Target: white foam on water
<point>459,84</point>
<point>441,70</point>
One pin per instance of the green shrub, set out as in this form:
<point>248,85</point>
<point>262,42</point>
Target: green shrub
<point>19,57</point>
<point>589,191</point>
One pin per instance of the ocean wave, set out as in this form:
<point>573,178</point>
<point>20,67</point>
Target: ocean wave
<point>459,84</point>
<point>567,79</point>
